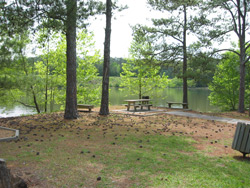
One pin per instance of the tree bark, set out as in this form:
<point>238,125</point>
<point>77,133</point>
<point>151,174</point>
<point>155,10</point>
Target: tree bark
<point>35,101</point>
<point>105,82</point>
<point>5,176</point>
<point>140,88</point>
<point>241,108</point>
<point>242,15</point>
<point>47,79</point>
<point>184,71</point>
<point>71,90</point>
<point>8,180</point>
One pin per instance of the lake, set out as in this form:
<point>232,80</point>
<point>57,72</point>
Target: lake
<point>197,99</point>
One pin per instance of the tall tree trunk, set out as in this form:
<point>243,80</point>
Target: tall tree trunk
<point>35,101</point>
<point>5,176</point>
<point>241,108</point>
<point>52,99</point>
<point>47,79</point>
<point>242,15</point>
<point>184,72</point>
<point>140,88</point>
<point>71,90</point>
<point>105,82</point>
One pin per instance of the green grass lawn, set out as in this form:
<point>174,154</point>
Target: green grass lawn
<point>115,151</point>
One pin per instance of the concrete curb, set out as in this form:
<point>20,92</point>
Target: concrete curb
<point>201,116</point>
<point>10,138</point>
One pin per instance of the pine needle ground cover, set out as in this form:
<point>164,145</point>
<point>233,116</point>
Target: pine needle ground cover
<point>124,151</point>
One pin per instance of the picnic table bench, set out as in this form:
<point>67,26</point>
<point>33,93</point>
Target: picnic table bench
<point>136,103</point>
<point>80,107</point>
<point>184,105</point>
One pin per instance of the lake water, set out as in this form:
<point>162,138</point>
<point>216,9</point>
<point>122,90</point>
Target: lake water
<point>197,99</point>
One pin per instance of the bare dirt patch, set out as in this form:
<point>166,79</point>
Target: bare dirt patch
<point>212,137</point>
<point>90,130</point>
<point>6,133</point>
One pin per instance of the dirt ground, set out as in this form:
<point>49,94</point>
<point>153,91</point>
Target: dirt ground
<point>6,133</point>
<point>208,134</point>
<point>211,138</point>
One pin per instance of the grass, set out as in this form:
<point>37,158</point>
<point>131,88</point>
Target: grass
<point>124,151</point>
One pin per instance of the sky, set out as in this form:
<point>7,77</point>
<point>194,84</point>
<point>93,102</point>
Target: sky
<point>138,12</point>
<point>121,34</point>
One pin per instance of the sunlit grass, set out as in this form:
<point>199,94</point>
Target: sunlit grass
<point>119,150</point>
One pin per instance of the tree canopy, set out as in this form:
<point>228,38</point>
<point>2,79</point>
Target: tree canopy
<point>235,18</point>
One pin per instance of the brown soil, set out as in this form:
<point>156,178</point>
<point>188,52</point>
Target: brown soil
<point>211,138</point>
<point>6,133</point>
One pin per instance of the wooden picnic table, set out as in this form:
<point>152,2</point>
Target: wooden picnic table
<point>80,107</point>
<point>184,105</point>
<point>138,103</point>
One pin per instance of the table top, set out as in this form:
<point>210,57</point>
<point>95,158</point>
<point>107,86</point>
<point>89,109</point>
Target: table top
<point>137,100</point>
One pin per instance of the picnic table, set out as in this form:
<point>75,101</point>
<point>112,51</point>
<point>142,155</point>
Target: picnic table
<point>80,107</point>
<point>136,103</point>
<point>184,105</point>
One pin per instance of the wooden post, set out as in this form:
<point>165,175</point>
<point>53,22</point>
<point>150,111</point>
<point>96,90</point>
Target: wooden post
<point>5,177</point>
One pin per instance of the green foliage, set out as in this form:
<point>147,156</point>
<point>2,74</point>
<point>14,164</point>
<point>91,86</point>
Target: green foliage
<point>142,79</point>
<point>115,66</point>
<point>86,71</point>
<point>201,68</point>
<point>178,82</point>
<point>18,76</point>
<point>49,14</point>
<point>140,74</point>
<point>45,77</point>
<point>225,84</point>
<point>179,17</point>
<point>115,81</point>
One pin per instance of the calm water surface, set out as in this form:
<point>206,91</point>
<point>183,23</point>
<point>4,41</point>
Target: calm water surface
<point>197,98</point>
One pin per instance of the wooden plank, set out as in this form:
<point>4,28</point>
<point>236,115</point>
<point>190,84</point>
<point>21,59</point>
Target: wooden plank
<point>177,103</point>
<point>241,133</point>
<point>85,106</point>
<point>184,105</point>
<point>247,150</point>
<point>145,104</point>
<point>80,107</point>
<point>236,135</point>
<point>245,138</point>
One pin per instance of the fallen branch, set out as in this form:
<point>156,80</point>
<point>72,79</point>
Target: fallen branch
<point>25,104</point>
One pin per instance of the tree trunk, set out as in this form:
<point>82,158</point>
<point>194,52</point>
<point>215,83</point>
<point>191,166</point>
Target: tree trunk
<point>184,73</point>
<point>241,108</point>
<point>242,15</point>
<point>7,180</point>
<point>5,176</point>
<point>47,80</point>
<point>140,88</point>
<point>35,101</point>
<point>71,90</point>
<point>105,82</point>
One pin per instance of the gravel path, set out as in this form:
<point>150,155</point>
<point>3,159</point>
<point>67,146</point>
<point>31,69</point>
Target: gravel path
<point>215,118</point>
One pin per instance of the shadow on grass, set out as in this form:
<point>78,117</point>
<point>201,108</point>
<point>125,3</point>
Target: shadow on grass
<point>243,159</point>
